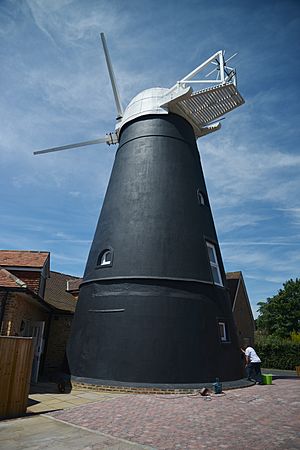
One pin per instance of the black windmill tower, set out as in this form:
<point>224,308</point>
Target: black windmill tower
<point>153,306</point>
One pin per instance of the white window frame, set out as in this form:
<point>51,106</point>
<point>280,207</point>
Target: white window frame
<point>214,264</point>
<point>104,261</point>
<point>200,196</point>
<point>223,333</point>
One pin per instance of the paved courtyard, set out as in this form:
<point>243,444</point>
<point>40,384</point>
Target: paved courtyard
<point>260,417</point>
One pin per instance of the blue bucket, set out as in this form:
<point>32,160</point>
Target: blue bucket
<point>217,387</point>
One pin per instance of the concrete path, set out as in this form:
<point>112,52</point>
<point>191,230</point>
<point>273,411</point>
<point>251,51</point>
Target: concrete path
<point>45,397</point>
<point>260,417</point>
<point>40,432</point>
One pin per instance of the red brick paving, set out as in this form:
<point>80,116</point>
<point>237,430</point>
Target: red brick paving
<point>258,417</point>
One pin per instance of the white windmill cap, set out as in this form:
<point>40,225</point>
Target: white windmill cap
<point>146,102</point>
<point>199,108</point>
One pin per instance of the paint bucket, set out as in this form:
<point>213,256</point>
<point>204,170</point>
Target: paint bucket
<point>267,378</point>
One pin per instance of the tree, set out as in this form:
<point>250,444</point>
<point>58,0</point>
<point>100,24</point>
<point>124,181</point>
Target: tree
<point>280,314</point>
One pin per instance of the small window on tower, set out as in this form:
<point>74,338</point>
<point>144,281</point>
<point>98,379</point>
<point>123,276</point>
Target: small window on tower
<point>214,265</point>
<point>200,197</point>
<point>223,331</point>
<point>105,258</point>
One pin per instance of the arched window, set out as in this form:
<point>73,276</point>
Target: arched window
<point>105,258</point>
<point>200,197</point>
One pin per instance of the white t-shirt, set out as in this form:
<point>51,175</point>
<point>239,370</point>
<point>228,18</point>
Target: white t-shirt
<point>252,355</point>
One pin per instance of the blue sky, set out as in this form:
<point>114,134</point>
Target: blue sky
<point>55,90</point>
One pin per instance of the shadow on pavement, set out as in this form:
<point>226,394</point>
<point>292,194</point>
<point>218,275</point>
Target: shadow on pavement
<point>281,374</point>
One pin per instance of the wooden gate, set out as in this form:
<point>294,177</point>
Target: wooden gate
<point>16,355</point>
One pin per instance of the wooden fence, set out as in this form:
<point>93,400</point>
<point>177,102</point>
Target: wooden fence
<point>16,355</point>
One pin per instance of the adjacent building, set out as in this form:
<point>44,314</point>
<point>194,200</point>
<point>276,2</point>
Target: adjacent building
<point>34,302</point>
<point>241,309</point>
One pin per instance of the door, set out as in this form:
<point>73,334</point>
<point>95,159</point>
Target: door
<point>36,330</point>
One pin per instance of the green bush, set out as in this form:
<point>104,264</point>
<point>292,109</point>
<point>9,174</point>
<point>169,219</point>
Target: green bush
<point>278,353</point>
<point>295,337</point>
<point>280,315</point>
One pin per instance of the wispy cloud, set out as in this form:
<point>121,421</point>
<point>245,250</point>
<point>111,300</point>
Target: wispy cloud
<point>239,174</point>
<point>230,220</point>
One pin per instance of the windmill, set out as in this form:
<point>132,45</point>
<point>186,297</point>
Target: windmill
<point>153,305</point>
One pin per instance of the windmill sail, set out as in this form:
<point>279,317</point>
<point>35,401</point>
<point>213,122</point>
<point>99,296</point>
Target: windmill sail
<point>71,146</point>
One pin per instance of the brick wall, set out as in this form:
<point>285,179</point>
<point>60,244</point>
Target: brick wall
<point>32,279</point>
<point>3,297</point>
<point>59,331</point>
<point>19,307</point>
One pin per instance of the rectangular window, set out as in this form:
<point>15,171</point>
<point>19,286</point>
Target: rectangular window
<point>222,330</point>
<point>214,264</point>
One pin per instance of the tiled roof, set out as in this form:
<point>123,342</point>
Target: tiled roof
<point>233,275</point>
<point>232,285</point>
<point>23,258</point>
<point>232,279</point>
<point>73,285</point>
<point>9,280</point>
<point>55,292</point>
